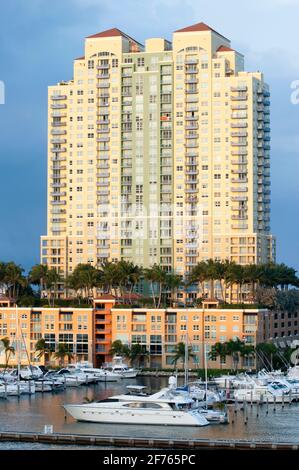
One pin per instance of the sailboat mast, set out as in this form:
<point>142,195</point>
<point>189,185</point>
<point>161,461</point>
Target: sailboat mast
<point>18,342</point>
<point>186,352</point>
<point>206,373</point>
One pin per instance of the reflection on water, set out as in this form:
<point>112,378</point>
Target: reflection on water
<point>32,413</point>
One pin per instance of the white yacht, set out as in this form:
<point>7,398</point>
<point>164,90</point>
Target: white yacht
<point>166,407</point>
<point>70,379</point>
<point>276,391</point>
<point>120,368</point>
<point>102,375</point>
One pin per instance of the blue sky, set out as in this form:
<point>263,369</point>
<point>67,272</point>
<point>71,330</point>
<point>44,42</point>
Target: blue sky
<point>40,38</point>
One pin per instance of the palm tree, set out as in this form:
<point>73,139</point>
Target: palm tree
<point>234,347</point>
<point>173,282</point>
<point>219,349</point>
<point>156,276</point>
<point>109,276</point>
<point>247,350</point>
<point>38,275</point>
<point>13,278</point>
<point>84,278</point>
<point>42,349</point>
<point>235,275</point>
<point>180,353</point>
<point>63,352</point>
<point>138,354</point>
<point>52,280</point>
<point>212,275</point>
<point>198,275</point>
<point>129,275</point>
<point>8,350</point>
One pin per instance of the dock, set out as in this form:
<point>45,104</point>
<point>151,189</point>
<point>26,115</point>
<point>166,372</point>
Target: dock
<point>143,443</point>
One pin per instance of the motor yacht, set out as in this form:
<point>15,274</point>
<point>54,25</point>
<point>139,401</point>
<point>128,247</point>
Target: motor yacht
<point>166,407</point>
<point>68,378</point>
<point>274,392</point>
<point>120,368</point>
<point>102,375</point>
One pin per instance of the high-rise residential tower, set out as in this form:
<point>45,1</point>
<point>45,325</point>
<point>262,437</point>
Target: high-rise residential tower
<point>159,154</point>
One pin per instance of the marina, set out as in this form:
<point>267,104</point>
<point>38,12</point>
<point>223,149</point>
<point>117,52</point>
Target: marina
<point>267,424</point>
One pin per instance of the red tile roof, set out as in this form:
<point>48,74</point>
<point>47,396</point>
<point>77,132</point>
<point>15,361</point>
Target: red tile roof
<point>224,49</point>
<point>113,32</point>
<point>105,297</point>
<point>197,27</point>
<point>107,34</point>
<point>80,58</point>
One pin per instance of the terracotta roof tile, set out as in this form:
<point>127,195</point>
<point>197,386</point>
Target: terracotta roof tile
<point>197,27</point>
<point>113,32</point>
<point>105,297</point>
<point>107,34</point>
<point>225,49</point>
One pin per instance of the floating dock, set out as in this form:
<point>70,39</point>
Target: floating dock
<point>143,443</point>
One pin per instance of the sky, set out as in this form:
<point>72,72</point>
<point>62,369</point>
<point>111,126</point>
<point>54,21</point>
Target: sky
<point>39,40</point>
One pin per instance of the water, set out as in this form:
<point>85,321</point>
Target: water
<point>31,413</point>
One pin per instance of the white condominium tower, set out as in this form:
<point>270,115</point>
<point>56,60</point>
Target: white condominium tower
<point>158,154</point>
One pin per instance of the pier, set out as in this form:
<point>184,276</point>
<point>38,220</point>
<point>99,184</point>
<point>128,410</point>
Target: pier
<point>144,443</point>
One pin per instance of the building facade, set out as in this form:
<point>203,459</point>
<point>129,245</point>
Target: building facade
<point>158,154</point>
<point>24,326</point>
<point>160,330</point>
<point>89,333</point>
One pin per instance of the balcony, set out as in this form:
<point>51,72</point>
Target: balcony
<point>58,131</point>
<point>191,80</point>
<point>239,97</point>
<point>103,85</point>
<point>58,141</point>
<point>191,144</point>
<point>239,88</point>
<point>58,124</point>
<point>190,91</point>
<point>58,203</point>
<point>58,106</point>
<point>58,185</point>
<point>239,143</point>
<point>236,180</point>
<point>103,121</point>
<point>58,159</point>
<point>239,124</point>
<point>240,226</point>
<point>189,61</point>
<point>103,192</point>
<point>239,198</point>
<point>239,152</point>
<point>58,97</point>
<point>239,217</point>
<point>239,190</point>
<point>243,171</point>
<point>58,149</point>
<point>189,127</point>
<point>239,134</point>
<point>239,162</point>
<point>103,166</point>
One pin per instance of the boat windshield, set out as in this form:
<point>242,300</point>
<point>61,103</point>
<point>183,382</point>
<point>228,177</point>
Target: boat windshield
<point>140,405</point>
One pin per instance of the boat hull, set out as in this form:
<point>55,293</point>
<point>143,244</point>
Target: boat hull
<point>151,417</point>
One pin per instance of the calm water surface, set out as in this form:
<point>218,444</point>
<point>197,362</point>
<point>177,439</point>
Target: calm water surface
<point>32,413</point>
